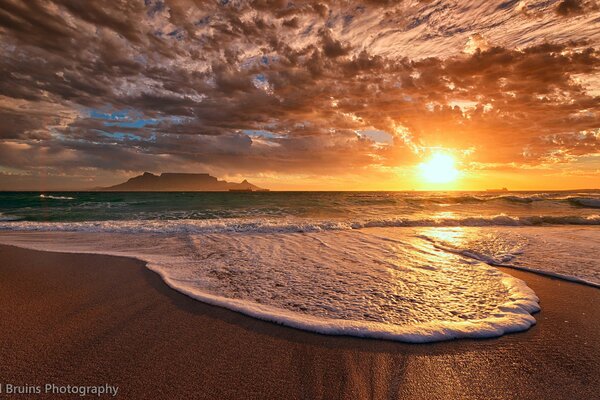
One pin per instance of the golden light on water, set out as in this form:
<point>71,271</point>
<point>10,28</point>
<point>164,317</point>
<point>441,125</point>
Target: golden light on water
<point>440,168</point>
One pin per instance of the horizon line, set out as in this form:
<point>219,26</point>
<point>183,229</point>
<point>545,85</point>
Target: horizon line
<point>299,190</point>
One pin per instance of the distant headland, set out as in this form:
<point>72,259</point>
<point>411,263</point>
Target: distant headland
<point>181,182</point>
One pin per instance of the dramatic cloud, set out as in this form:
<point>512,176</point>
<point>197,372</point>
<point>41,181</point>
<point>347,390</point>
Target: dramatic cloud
<point>274,88</point>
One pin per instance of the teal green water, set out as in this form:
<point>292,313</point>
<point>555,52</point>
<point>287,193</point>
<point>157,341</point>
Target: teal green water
<point>410,266</point>
<point>105,206</point>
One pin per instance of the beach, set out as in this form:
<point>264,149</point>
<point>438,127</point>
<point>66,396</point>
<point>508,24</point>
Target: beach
<point>86,319</point>
<point>300,199</point>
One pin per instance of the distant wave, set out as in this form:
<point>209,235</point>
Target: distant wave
<point>48,196</point>
<point>6,217</point>
<point>498,220</point>
<point>519,199</point>
<point>585,201</point>
<point>579,201</point>
<point>190,226</point>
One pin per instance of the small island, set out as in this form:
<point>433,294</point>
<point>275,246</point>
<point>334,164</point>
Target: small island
<point>181,182</point>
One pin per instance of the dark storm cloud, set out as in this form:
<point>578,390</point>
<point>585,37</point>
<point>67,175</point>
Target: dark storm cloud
<point>308,76</point>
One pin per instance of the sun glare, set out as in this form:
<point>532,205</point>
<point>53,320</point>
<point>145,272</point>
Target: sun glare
<point>440,168</point>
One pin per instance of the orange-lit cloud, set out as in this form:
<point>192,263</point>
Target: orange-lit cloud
<point>301,92</point>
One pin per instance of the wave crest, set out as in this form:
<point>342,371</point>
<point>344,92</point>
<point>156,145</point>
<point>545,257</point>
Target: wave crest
<point>287,226</point>
<point>51,197</point>
<point>585,202</point>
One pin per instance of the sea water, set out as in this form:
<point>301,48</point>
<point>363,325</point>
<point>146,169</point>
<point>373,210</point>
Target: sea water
<point>409,266</point>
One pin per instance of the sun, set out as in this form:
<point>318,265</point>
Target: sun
<point>440,168</point>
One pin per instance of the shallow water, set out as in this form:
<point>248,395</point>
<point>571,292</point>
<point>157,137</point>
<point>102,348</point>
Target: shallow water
<point>402,266</point>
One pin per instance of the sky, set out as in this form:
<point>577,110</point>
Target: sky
<point>301,95</point>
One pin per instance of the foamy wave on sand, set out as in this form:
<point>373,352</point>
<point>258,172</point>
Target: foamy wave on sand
<point>340,282</point>
<point>514,315</point>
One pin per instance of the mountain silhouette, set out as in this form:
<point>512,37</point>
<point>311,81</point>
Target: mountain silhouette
<point>180,182</point>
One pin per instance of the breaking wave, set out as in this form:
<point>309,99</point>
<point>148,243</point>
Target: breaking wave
<point>334,262</point>
<point>6,217</point>
<point>192,226</point>
<point>585,202</point>
<point>578,201</point>
<point>51,197</point>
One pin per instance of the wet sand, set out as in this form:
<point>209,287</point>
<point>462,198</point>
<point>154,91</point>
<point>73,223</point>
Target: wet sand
<point>92,319</point>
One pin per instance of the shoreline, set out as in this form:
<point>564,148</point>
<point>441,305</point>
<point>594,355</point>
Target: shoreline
<point>500,266</point>
<point>548,274</point>
<point>89,319</point>
<point>516,314</point>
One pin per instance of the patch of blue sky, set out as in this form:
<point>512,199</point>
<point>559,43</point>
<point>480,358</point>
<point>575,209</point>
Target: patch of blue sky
<point>203,21</point>
<point>114,116</point>
<point>138,123</point>
<point>57,134</point>
<point>178,34</point>
<point>154,7</point>
<point>348,19</point>
<point>377,136</point>
<point>259,61</point>
<point>271,126</point>
<point>307,31</point>
<point>508,4</point>
<point>120,136</point>
<point>132,118</point>
<point>261,133</point>
<point>303,124</point>
<point>140,58</point>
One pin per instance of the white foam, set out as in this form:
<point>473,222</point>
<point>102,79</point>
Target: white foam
<point>567,252</point>
<point>48,196</point>
<point>514,315</point>
<point>286,225</point>
<point>398,287</point>
<point>6,217</point>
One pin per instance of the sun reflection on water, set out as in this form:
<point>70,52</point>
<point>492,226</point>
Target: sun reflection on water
<point>452,236</point>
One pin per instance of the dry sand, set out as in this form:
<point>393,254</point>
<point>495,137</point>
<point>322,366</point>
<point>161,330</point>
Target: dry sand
<point>91,319</point>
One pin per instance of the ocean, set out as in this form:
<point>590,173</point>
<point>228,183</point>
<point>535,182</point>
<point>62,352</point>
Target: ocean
<point>407,266</point>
